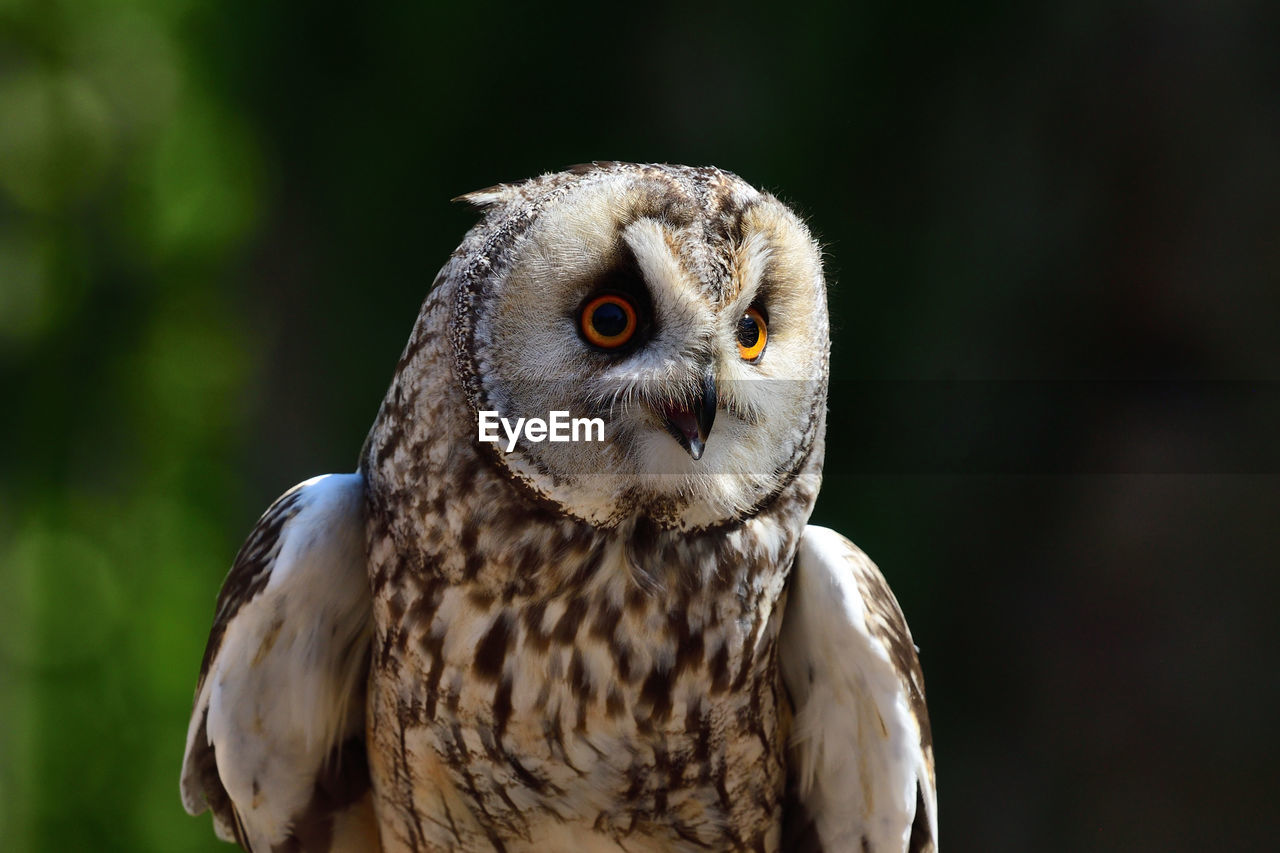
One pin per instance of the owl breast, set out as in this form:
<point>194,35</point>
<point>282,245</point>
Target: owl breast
<point>613,709</point>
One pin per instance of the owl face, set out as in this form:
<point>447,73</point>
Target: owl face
<point>682,307</point>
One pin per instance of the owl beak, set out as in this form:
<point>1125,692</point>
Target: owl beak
<point>689,421</point>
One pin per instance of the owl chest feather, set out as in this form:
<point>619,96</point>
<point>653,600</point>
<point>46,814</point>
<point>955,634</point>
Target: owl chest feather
<point>624,687</point>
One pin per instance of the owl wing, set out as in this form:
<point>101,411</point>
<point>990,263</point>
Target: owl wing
<point>861,754</point>
<point>275,746</point>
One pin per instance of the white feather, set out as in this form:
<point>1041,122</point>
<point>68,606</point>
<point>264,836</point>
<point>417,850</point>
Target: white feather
<point>283,688</point>
<point>857,743</point>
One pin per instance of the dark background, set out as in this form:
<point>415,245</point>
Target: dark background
<point>218,220</point>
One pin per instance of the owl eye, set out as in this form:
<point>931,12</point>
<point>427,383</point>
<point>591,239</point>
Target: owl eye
<point>608,321</point>
<point>753,334</point>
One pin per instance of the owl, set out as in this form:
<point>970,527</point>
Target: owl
<point>620,638</point>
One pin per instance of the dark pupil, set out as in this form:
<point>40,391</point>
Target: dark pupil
<point>609,320</point>
<point>748,331</point>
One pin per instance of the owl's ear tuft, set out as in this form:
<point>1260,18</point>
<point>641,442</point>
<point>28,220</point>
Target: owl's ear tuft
<point>489,196</point>
<point>596,166</point>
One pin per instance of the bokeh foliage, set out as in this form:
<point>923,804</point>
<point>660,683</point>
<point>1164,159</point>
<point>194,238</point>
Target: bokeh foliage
<point>129,185</point>
<point>217,221</point>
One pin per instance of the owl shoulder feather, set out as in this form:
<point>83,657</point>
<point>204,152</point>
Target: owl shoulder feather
<point>861,752</point>
<point>275,746</point>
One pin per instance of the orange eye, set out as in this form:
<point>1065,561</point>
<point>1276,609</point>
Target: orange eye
<point>608,321</point>
<point>753,334</point>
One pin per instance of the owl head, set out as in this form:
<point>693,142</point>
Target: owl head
<point>681,307</point>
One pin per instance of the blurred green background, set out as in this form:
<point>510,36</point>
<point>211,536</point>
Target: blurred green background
<point>217,221</point>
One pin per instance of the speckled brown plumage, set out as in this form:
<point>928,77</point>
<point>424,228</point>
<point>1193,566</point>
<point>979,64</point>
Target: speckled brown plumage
<point>620,677</point>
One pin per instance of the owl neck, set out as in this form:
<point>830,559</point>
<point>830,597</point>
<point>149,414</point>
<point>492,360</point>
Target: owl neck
<point>448,509</point>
